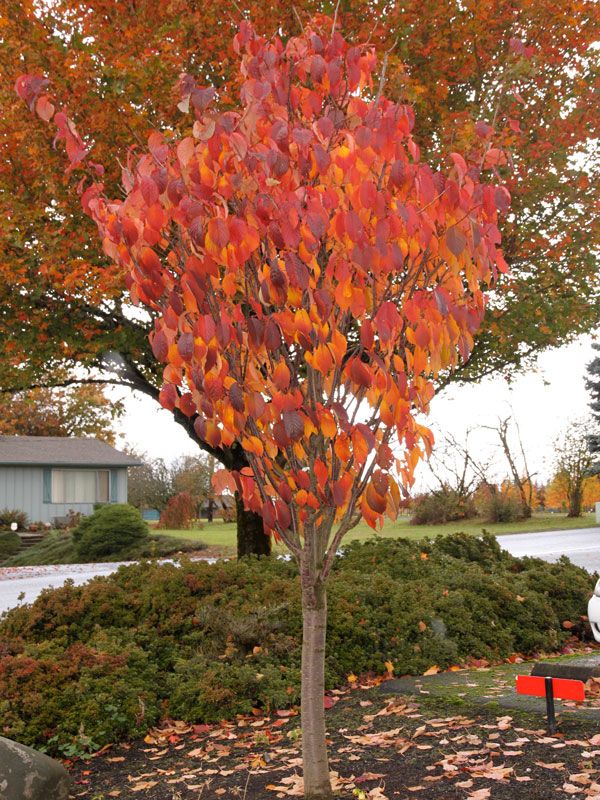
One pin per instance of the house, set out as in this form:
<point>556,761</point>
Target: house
<point>48,476</point>
<point>220,506</point>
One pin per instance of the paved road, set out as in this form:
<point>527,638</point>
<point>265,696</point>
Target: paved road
<point>582,546</point>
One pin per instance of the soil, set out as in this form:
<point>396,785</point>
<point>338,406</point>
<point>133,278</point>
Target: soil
<point>382,747</point>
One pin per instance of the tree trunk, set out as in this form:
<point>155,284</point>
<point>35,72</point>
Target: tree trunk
<point>317,785</point>
<point>575,498</point>
<point>251,537</point>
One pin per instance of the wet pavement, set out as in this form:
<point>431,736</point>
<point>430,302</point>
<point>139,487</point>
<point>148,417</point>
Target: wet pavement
<point>582,546</point>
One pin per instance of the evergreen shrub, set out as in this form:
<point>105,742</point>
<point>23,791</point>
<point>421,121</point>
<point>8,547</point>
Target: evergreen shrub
<point>86,665</point>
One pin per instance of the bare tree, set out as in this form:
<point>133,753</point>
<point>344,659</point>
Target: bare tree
<point>454,466</point>
<point>516,458</point>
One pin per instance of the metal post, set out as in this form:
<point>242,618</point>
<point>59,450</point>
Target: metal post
<point>550,706</point>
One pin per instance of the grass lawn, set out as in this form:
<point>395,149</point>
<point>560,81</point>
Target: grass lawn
<point>222,535</point>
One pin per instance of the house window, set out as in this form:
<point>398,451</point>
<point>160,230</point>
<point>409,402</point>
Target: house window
<point>80,486</point>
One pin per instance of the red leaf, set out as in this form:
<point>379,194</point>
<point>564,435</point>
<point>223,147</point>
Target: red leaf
<point>44,108</point>
<point>360,373</point>
<point>160,346</point>
<point>185,346</point>
<point>455,240</point>
<point>293,425</point>
<point>387,321</point>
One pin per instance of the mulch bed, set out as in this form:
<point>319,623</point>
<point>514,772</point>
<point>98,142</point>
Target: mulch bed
<point>381,748</point>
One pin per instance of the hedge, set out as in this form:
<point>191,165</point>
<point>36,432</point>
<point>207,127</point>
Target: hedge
<point>86,665</point>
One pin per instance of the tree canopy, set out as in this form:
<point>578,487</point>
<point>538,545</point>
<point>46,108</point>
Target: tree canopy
<point>78,411</point>
<point>522,72</point>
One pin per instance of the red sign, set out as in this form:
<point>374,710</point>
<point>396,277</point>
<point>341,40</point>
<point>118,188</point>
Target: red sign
<point>562,688</point>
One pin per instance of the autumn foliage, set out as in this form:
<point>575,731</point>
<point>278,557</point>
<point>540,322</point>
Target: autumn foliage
<point>303,260</point>
<point>179,512</point>
<point>310,278</point>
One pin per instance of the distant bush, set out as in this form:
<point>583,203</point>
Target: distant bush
<point>442,505</point>
<point>10,543</point>
<point>82,663</point>
<point>178,513</point>
<point>8,516</point>
<point>111,529</point>
<point>499,504</point>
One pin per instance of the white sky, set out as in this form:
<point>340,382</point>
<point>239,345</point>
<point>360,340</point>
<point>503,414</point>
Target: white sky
<point>544,401</point>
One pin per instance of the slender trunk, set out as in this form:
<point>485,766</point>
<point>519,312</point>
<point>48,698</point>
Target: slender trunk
<point>317,785</point>
<point>251,537</point>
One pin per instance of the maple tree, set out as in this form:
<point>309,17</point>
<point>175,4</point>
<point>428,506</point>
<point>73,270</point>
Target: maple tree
<point>457,66</point>
<point>79,411</point>
<point>309,277</point>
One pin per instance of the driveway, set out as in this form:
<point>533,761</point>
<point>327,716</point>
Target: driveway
<point>582,546</point>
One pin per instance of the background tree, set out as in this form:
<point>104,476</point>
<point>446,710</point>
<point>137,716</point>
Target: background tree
<point>507,430</point>
<point>557,492</point>
<point>573,463</point>
<point>192,475</point>
<point>79,411</point>
<point>150,485</point>
<point>466,71</point>
<point>303,264</point>
<point>458,473</point>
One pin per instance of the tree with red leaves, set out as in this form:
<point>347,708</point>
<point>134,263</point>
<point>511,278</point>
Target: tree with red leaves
<point>310,278</point>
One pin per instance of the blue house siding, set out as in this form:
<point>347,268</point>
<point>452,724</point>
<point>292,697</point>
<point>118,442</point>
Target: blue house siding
<point>28,488</point>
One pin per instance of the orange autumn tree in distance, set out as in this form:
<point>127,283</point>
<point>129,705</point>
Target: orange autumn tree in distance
<point>310,278</point>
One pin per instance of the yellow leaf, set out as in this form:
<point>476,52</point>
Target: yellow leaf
<point>432,670</point>
<point>389,667</point>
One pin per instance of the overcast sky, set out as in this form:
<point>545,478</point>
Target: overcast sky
<point>543,401</point>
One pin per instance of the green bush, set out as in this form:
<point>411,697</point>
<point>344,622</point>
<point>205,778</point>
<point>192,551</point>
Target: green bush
<point>443,505</point>
<point>110,530</point>
<point>8,516</point>
<point>86,665</point>
<point>10,543</point>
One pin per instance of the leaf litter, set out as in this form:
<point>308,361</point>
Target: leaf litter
<point>381,748</point>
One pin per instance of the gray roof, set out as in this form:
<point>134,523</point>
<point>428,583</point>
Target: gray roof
<point>61,450</point>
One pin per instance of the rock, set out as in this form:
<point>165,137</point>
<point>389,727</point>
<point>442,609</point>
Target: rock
<point>577,669</point>
<point>26,774</point>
